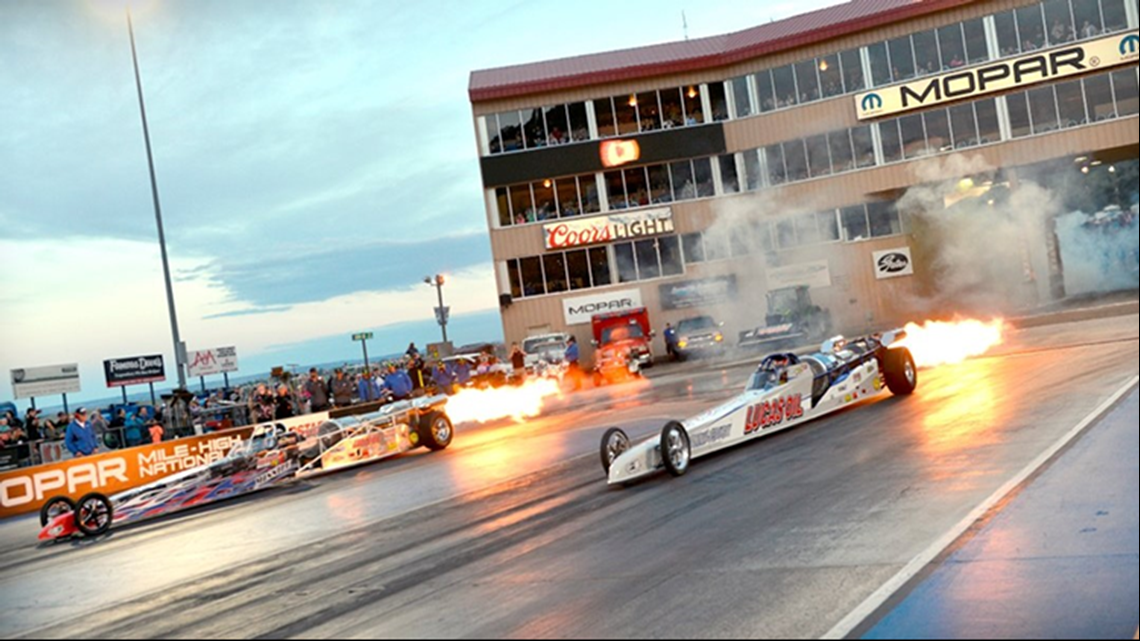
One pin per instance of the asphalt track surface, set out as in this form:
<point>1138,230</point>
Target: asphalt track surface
<point>513,533</point>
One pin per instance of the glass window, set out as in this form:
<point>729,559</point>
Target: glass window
<point>976,49</point>
<point>637,187</point>
<point>784,81</point>
<point>1008,40</point>
<point>902,59</point>
<point>515,278</point>
<point>649,111</point>
<point>855,225</point>
<point>778,171</point>
<point>828,224</point>
<point>795,158</point>
<point>927,62</point>
<point>880,64</point>
<point>532,282</point>
<point>1127,98</point>
<point>842,158</point>
<point>819,158</point>
<point>503,203</point>
<point>492,131</point>
<point>557,126</point>
<point>765,91</point>
<point>716,247</point>
<point>648,262</point>
<point>694,112</point>
<point>545,206</point>
<point>728,176</point>
<point>1031,27</point>
<point>555,267</point>
<point>892,141</point>
<point>807,232</point>
<point>913,136</point>
<point>588,188</point>
<point>671,263</point>
<point>1086,14</point>
<point>535,130</point>
<point>579,123</point>
<point>694,247</point>
<point>1115,15</point>
<point>831,76</point>
<point>965,126</point>
<point>510,125</point>
<point>569,204</point>
<point>578,264</point>
<point>1043,110</point>
<point>952,47</point>
<point>604,113</point>
<point>752,170</point>
<point>989,131</point>
<point>1060,22</point>
<point>683,186</point>
<point>615,188</point>
<point>1098,96</point>
<point>703,175</point>
<point>786,234</point>
<point>741,98</point>
<point>807,79</point>
<point>719,100</point>
<point>626,111</point>
<point>626,263</point>
<point>672,109</point>
<point>884,218</point>
<point>938,131</point>
<point>600,267</point>
<point>1071,103</point>
<point>1019,122</point>
<point>660,186</point>
<point>522,206</point>
<point>864,145</point>
<point>852,71</point>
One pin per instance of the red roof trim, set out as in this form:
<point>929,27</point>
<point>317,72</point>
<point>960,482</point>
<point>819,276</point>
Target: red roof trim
<point>699,55</point>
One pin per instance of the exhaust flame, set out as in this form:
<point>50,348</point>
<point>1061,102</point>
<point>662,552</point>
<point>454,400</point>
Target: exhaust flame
<point>518,403</point>
<point>933,343</point>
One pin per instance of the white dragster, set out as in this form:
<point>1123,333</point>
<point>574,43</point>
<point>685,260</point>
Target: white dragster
<point>786,391</point>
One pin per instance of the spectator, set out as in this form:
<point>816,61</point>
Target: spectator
<point>368,389</point>
<point>263,405</point>
<point>80,438</point>
<point>573,356</point>
<point>463,373</point>
<point>32,425</point>
<point>518,360</point>
<point>417,371</point>
<point>398,383</point>
<point>317,391</point>
<point>156,434</point>
<point>5,433</point>
<point>412,352</point>
<point>341,389</point>
<point>285,403</point>
<point>99,426</point>
<point>442,379</point>
<point>120,420</point>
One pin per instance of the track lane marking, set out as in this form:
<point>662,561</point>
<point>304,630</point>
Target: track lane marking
<point>884,594</point>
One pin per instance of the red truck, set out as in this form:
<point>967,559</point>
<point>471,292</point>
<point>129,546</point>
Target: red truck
<point>623,343</point>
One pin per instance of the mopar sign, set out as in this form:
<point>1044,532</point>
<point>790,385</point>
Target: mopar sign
<point>1028,70</point>
<point>893,263</point>
<point>580,311</point>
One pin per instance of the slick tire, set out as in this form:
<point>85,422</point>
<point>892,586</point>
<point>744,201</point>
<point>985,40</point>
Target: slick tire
<point>676,450</point>
<point>614,444</point>
<point>94,515</point>
<point>436,431</point>
<point>54,509</point>
<point>900,372</point>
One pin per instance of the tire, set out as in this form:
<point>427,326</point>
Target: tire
<point>436,431</point>
<point>55,508</point>
<point>900,372</point>
<point>614,444</point>
<point>94,515</point>
<point>676,449</point>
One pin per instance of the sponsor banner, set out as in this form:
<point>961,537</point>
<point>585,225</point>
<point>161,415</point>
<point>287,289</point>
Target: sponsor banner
<point>140,370</point>
<point>45,381</point>
<point>581,311</point>
<point>53,453</point>
<point>698,293</point>
<point>212,362</point>
<point>1030,69</point>
<point>894,263</point>
<point>605,229</point>
<point>813,275</point>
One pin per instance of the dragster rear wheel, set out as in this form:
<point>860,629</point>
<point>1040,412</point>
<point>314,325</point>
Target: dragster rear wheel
<point>55,508</point>
<point>436,431</point>
<point>900,372</point>
<point>614,444</point>
<point>94,515</point>
<point>676,449</point>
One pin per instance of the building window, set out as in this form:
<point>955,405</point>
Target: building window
<point>853,80</point>
<point>819,158</point>
<point>927,61</point>
<point>938,138</point>
<point>880,64</point>
<point>784,83</point>
<point>1071,105</point>
<point>1019,122</point>
<point>831,76</point>
<point>753,171</point>
<point>694,248</point>
<point>671,262</point>
<point>1098,96</point>
<point>728,175</point>
<point>989,130</point>
<point>842,158</point>
<point>807,81</point>
<point>600,267</point>
<point>672,109</point>
<point>605,116</point>
<point>977,51</point>
<point>1115,15</point>
<point>1031,28</point>
<point>741,97</point>
<point>703,175</point>
<point>795,159</point>
<point>1086,16</point>
<point>884,219</point>
<point>554,267</point>
<point>892,141</point>
<point>864,147</point>
<point>516,279</point>
<point>648,112</point>
<point>683,187</point>
<point>964,124</point>
<point>765,91</point>
<point>952,47</point>
<point>1043,110</point>
<point>1008,40</point>
<point>1059,20</point>
<point>855,227</point>
<point>660,185</point>
<point>626,263</point>
<point>532,280</point>
<point>913,136</point>
<point>1127,99</point>
<point>902,59</point>
<point>578,267</point>
<point>719,100</point>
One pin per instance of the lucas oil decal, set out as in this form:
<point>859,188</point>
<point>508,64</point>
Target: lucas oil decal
<point>773,414</point>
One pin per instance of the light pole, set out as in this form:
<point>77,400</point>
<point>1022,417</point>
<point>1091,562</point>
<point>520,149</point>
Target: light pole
<point>441,313</point>
<point>179,357</point>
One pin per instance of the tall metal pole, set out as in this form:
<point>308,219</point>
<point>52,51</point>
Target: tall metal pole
<point>178,356</point>
<point>367,367</point>
<point>442,312</point>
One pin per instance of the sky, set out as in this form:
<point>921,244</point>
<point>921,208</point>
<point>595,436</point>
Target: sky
<point>316,159</point>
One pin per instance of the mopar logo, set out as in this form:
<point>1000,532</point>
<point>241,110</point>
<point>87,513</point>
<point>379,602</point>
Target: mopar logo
<point>894,263</point>
<point>598,308</point>
<point>1130,45</point>
<point>873,102</point>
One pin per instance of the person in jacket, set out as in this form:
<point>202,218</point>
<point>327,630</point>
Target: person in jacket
<point>317,391</point>
<point>284,403</point>
<point>368,389</point>
<point>342,389</point>
<point>80,438</point>
<point>574,369</point>
<point>398,383</point>
<point>443,380</point>
<point>462,373</point>
<point>420,378</point>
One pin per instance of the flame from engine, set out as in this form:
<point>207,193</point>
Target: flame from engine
<point>489,405</point>
<point>935,343</point>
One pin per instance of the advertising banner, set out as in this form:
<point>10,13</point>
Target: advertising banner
<point>605,229</point>
<point>45,381</point>
<point>581,311</point>
<point>698,293</point>
<point>212,362</point>
<point>893,263</point>
<point>813,275</point>
<point>122,372</point>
